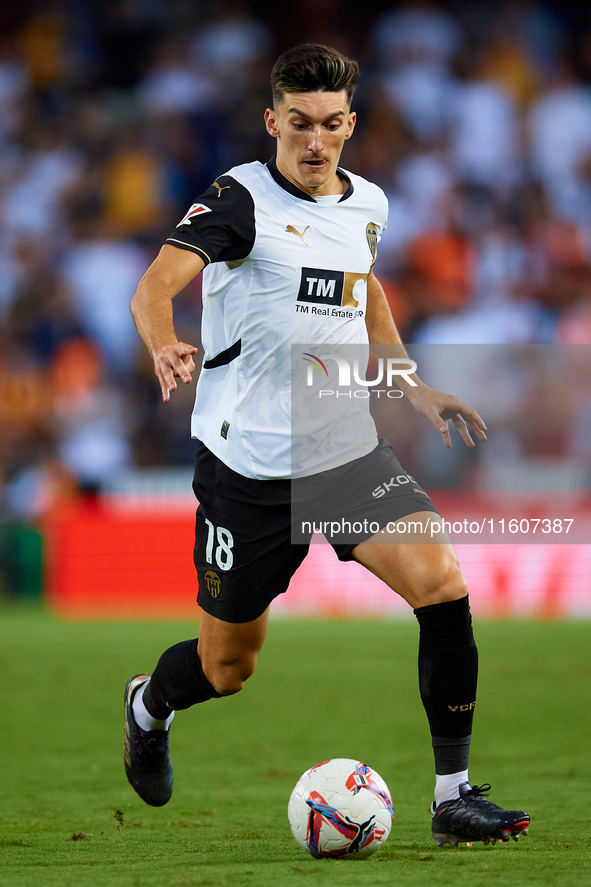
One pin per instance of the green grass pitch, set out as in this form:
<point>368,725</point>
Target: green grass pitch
<point>322,689</point>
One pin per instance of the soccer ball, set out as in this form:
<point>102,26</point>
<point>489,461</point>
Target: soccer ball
<point>340,808</point>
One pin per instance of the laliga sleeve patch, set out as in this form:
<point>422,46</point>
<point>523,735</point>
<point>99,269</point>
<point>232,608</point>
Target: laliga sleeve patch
<point>195,210</point>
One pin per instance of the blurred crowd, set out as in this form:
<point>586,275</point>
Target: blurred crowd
<point>475,118</point>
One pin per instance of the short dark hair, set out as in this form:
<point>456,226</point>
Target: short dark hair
<point>313,67</point>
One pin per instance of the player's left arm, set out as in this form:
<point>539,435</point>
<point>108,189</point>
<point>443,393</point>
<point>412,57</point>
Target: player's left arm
<point>435,405</point>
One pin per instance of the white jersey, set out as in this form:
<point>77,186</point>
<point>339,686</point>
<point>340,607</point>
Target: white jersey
<point>282,269</point>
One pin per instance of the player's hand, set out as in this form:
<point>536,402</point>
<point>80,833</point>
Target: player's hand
<point>174,360</point>
<point>439,408</point>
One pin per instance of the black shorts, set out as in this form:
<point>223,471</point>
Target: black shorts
<point>246,547</point>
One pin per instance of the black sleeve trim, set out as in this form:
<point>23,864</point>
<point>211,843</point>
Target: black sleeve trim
<point>220,224</point>
<point>224,357</point>
<point>193,249</point>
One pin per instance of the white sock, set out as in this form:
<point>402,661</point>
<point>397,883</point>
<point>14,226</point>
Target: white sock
<point>447,788</point>
<point>142,716</point>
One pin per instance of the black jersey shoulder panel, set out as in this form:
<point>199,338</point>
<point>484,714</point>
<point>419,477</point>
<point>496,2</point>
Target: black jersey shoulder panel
<point>220,225</point>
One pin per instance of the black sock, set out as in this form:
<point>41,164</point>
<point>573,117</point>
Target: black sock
<point>178,681</point>
<point>448,671</point>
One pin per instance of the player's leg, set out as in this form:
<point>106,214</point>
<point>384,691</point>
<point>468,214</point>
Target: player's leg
<point>229,651</point>
<point>428,577</point>
<point>244,559</point>
<point>376,490</point>
<point>215,664</point>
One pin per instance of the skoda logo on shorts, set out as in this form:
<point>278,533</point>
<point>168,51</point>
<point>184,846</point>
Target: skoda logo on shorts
<point>213,583</point>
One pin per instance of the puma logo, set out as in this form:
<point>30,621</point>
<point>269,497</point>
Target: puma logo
<point>291,230</point>
<point>219,188</point>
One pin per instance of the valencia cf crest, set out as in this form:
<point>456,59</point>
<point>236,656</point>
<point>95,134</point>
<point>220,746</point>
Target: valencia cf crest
<point>371,232</point>
<point>213,583</point>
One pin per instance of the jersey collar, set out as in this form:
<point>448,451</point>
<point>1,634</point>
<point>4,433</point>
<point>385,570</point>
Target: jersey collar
<point>297,192</point>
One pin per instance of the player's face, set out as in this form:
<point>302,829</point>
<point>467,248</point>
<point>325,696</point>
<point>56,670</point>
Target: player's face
<point>311,129</point>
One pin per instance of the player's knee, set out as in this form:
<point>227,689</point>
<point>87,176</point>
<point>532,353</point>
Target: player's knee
<point>227,683</point>
<point>454,586</point>
<point>228,678</point>
<point>445,584</point>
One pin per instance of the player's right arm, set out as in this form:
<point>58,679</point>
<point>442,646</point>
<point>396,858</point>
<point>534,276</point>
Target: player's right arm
<point>151,308</point>
<point>220,227</point>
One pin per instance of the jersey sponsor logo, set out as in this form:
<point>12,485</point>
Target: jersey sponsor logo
<point>213,583</point>
<point>331,288</point>
<point>291,230</point>
<point>318,286</point>
<point>195,210</point>
<point>219,188</point>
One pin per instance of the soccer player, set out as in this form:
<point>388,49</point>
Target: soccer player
<point>272,238</point>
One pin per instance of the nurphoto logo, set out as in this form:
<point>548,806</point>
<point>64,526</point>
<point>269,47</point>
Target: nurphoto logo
<point>388,369</point>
